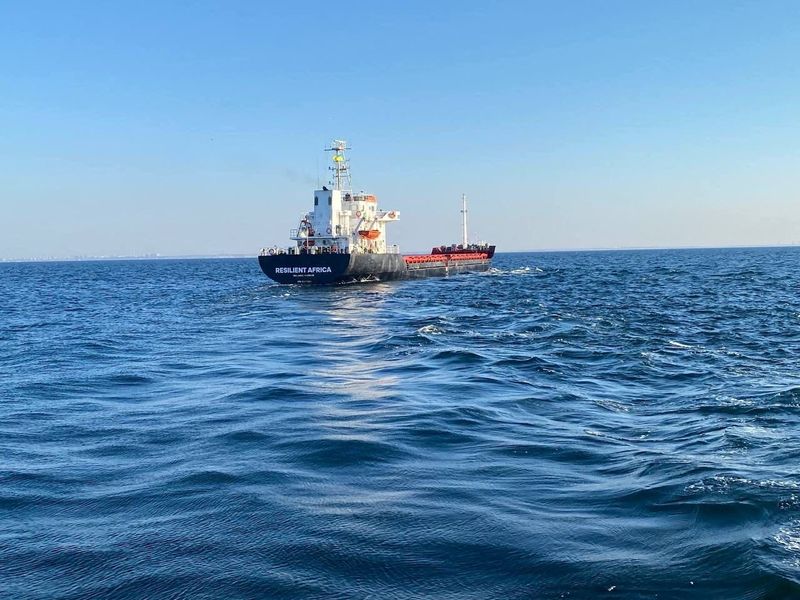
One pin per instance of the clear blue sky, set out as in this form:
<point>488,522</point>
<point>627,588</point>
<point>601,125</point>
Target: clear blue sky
<point>197,127</point>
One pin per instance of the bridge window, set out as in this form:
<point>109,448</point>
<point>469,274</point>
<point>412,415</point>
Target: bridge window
<point>316,201</point>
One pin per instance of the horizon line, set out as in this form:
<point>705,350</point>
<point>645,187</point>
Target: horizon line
<point>220,256</point>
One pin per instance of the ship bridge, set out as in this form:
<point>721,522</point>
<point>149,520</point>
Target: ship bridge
<point>343,220</point>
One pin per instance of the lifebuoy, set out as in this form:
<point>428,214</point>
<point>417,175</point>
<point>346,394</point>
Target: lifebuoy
<point>392,215</point>
<point>271,251</point>
<point>358,213</point>
<point>329,229</point>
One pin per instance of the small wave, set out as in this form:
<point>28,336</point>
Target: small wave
<point>768,403</point>
<point>457,357</point>
<point>439,437</point>
<point>788,539</point>
<point>430,330</point>
<point>515,271</point>
<point>725,483</point>
<point>787,397</point>
<point>612,405</point>
<point>270,393</point>
<point>243,436</point>
<point>675,344</point>
<point>126,379</point>
<point>522,363</point>
<point>341,451</point>
<point>113,450</point>
<point>209,477</point>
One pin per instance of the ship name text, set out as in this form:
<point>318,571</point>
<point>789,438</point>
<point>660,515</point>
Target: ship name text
<point>302,270</point>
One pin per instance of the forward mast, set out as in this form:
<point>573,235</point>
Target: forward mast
<point>464,237</point>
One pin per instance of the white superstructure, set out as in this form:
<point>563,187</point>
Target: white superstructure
<point>343,220</point>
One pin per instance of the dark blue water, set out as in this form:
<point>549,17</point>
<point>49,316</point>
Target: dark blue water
<point>569,425</point>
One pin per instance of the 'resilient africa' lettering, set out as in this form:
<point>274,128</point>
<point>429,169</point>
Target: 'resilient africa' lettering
<point>302,270</point>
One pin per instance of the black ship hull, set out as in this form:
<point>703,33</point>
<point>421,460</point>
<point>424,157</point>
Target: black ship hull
<point>354,268</point>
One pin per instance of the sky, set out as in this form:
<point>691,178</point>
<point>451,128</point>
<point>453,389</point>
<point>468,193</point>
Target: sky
<point>196,128</point>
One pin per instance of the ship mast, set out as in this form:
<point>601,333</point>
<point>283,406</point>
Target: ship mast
<point>464,220</point>
<point>341,166</point>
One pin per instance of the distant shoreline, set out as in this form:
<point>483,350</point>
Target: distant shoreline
<point>240,256</point>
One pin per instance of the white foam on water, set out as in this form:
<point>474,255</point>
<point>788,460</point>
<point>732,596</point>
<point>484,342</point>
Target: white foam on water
<point>675,344</point>
<point>430,330</point>
<point>788,538</point>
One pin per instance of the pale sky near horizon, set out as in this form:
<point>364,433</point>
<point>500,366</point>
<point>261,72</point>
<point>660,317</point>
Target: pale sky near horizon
<point>197,127</point>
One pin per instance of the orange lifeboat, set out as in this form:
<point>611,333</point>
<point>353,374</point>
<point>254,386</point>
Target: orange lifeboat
<point>370,234</point>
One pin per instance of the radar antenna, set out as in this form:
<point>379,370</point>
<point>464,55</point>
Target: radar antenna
<point>341,166</point>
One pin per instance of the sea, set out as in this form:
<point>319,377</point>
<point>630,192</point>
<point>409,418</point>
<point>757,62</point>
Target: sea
<point>621,424</point>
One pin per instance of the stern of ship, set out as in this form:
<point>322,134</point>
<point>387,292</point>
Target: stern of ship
<point>305,268</point>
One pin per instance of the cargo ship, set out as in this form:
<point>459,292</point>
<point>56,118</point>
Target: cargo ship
<point>343,240</point>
